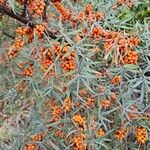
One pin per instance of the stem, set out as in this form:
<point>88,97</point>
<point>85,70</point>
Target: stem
<point>12,37</point>
<point>24,13</point>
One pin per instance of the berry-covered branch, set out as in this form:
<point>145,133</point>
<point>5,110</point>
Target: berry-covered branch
<point>6,10</point>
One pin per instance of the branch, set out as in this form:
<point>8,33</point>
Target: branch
<point>12,37</point>
<point>25,9</point>
<point>4,9</point>
<point>44,17</point>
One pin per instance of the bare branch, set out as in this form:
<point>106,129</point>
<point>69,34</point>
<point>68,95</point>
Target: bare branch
<point>12,37</point>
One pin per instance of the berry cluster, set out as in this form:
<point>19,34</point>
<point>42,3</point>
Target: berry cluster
<point>37,7</point>
<point>15,49</point>
<point>79,142</point>
<point>105,104</point>
<point>35,138</point>
<point>100,133</point>
<point>79,120</point>
<point>131,57</point>
<point>65,14</point>
<point>39,30</point>
<point>141,134</point>
<point>116,80</point>
<point>67,104</point>
<point>121,134</point>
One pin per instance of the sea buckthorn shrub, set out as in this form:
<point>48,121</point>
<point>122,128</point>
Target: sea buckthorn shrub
<point>74,75</point>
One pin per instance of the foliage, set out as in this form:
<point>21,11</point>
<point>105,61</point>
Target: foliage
<point>74,74</point>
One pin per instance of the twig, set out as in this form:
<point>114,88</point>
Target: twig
<point>44,17</point>
<point>24,13</point>
<point>12,37</point>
